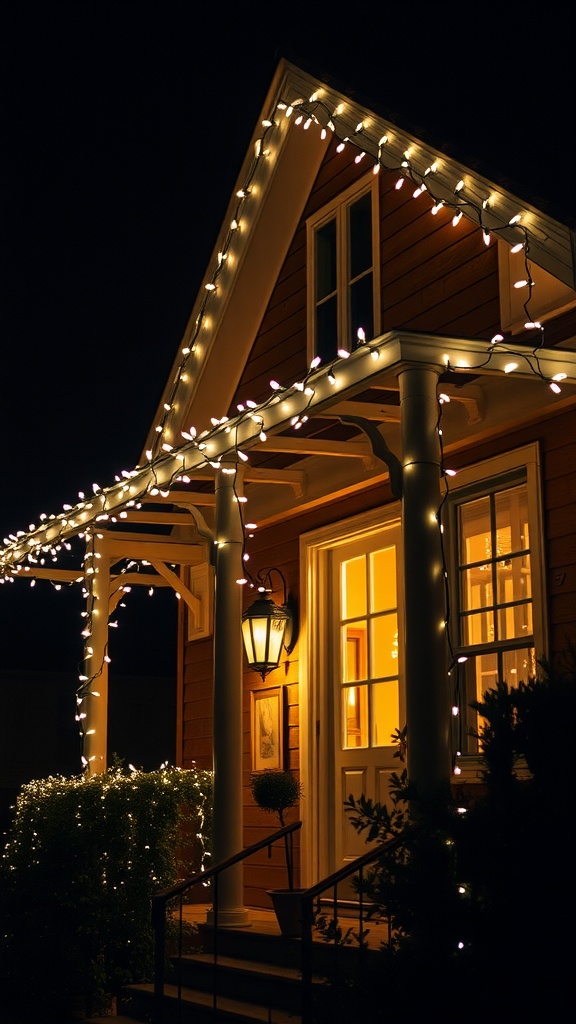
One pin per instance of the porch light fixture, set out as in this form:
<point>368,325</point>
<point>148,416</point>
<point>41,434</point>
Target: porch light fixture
<point>268,628</point>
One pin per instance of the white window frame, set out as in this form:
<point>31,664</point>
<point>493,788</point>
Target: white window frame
<point>338,208</point>
<point>525,464</point>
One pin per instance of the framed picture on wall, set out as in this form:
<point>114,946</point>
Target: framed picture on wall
<point>267,728</point>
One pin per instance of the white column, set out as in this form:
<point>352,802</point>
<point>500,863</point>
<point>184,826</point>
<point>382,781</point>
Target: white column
<point>95,700</point>
<point>427,691</point>
<point>227,710</point>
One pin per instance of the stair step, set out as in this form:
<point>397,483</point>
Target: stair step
<point>137,999</point>
<point>110,1019</point>
<point>272,985</point>
<point>260,968</point>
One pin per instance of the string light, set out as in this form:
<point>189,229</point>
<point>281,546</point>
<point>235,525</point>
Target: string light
<point>314,113</point>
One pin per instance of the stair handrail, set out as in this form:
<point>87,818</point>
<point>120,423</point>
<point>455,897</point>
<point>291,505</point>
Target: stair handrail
<point>161,899</point>
<point>307,897</point>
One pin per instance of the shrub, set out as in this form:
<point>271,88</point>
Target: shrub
<point>483,899</point>
<point>84,857</point>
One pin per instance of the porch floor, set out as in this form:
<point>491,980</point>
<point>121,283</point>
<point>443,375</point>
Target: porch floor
<point>264,922</point>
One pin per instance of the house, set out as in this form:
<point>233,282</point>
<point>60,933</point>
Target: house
<point>374,317</point>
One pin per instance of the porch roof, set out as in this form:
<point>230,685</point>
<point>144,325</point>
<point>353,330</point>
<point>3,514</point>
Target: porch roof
<point>286,468</point>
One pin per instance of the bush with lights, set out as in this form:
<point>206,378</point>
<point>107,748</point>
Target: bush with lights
<point>84,857</point>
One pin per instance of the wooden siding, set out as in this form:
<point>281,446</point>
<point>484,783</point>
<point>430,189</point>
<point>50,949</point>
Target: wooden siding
<point>435,278</point>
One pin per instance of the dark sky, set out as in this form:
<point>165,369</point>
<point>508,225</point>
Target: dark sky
<point>124,126</point>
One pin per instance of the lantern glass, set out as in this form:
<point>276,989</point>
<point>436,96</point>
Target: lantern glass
<point>263,627</point>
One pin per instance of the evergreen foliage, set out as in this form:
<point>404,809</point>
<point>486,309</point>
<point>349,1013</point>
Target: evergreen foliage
<point>84,857</point>
<point>275,790</point>
<point>481,900</point>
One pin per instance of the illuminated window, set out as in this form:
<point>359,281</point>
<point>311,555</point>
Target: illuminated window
<point>343,271</point>
<point>369,684</point>
<point>497,558</point>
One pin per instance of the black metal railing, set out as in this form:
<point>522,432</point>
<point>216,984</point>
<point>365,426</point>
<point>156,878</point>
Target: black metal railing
<point>310,901</point>
<point>162,899</point>
<point>311,896</point>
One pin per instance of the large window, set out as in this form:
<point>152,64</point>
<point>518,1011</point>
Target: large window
<point>495,527</point>
<point>343,272</point>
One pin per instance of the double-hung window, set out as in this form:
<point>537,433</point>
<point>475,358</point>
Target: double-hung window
<point>343,279</point>
<point>497,574</point>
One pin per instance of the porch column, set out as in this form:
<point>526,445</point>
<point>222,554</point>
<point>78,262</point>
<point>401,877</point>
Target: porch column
<point>227,698</point>
<point>427,691</point>
<point>95,702</point>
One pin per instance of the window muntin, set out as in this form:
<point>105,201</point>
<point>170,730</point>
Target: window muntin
<point>497,552</point>
<point>343,272</point>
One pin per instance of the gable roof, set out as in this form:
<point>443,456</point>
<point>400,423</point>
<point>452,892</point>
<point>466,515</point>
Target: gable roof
<point>300,116</point>
<point>483,158</point>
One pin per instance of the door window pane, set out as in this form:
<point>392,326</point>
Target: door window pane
<point>385,712</point>
<point>383,579</point>
<point>355,652</point>
<point>355,716</point>
<point>384,646</point>
<point>354,587</point>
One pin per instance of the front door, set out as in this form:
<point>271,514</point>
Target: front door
<point>355,671</point>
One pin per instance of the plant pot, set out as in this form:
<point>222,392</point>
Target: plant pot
<point>286,903</point>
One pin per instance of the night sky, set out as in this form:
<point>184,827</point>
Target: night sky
<point>124,127</point>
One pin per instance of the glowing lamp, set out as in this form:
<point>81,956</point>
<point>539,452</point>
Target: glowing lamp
<point>268,629</point>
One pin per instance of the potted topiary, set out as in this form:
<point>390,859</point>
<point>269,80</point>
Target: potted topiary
<point>275,791</point>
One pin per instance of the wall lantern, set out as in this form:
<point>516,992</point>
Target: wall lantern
<point>267,628</point>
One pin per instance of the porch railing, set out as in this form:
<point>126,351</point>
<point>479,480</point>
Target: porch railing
<point>161,899</point>
<point>308,899</point>
<point>314,894</point>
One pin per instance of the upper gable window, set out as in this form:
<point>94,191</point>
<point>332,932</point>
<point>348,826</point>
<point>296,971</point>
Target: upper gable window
<point>343,278</point>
